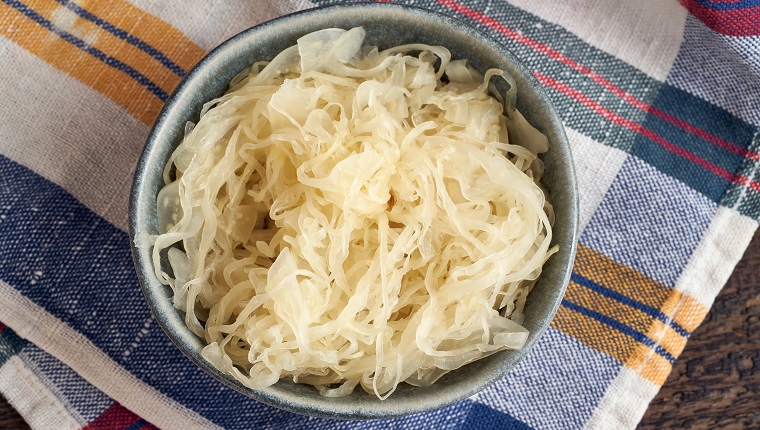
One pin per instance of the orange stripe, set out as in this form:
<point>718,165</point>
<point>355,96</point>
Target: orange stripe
<point>671,341</point>
<point>603,270</point>
<point>625,280</point>
<point>152,30</point>
<point>594,334</point>
<point>650,365</point>
<point>688,314</point>
<point>633,318</point>
<point>107,43</point>
<point>687,311</point>
<point>69,59</point>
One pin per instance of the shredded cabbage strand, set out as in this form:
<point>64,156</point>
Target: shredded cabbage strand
<point>352,216</point>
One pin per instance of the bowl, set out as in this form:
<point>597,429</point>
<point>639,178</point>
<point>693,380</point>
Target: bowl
<point>386,25</point>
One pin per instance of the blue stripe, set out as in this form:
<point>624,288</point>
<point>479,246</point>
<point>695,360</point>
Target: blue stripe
<point>10,344</point>
<point>741,4</point>
<point>78,267</point>
<point>712,118</point>
<point>622,328</point>
<point>654,312</point>
<point>484,417</point>
<point>79,43</point>
<point>88,402</point>
<point>124,35</point>
<point>137,425</point>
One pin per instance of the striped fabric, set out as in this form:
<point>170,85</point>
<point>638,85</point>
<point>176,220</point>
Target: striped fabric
<point>661,101</point>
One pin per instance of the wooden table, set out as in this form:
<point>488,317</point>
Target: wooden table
<point>715,382</point>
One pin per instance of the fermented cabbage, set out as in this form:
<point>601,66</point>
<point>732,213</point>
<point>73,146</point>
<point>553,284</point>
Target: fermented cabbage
<point>348,216</point>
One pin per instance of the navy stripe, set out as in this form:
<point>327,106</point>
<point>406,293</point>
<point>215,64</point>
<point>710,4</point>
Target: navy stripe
<point>652,311</point>
<point>484,417</point>
<point>10,344</point>
<point>137,425</point>
<point>81,44</point>
<point>741,4</point>
<point>706,116</point>
<point>738,196</point>
<point>124,35</point>
<point>622,328</point>
<point>710,117</point>
<point>78,267</point>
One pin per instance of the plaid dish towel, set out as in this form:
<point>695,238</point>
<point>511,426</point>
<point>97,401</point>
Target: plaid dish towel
<point>661,101</point>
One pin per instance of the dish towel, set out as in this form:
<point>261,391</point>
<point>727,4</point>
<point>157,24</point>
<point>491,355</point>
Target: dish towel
<point>661,101</point>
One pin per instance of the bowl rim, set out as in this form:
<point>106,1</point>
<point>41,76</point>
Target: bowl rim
<point>167,316</point>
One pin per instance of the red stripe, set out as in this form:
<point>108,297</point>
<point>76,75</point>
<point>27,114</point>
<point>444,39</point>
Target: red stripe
<point>715,140</point>
<point>638,128</point>
<point>743,21</point>
<point>538,46</point>
<point>115,417</point>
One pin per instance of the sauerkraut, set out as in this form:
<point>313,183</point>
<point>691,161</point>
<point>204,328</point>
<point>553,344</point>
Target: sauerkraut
<point>348,216</point>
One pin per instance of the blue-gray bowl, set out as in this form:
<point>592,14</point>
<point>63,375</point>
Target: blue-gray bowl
<point>386,25</point>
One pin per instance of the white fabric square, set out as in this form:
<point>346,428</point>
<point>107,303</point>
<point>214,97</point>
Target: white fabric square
<point>652,29</point>
<point>712,263</point>
<point>210,23</point>
<point>32,399</point>
<point>596,166</point>
<point>624,403</point>
<point>86,144</point>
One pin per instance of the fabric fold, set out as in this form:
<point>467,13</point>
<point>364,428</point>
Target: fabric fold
<point>661,111</point>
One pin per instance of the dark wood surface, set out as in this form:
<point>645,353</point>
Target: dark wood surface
<point>715,383</point>
<point>9,418</point>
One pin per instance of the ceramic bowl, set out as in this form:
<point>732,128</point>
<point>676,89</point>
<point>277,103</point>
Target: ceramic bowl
<point>386,25</point>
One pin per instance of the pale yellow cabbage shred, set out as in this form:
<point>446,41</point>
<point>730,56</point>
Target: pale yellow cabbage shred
<point>354,217</point>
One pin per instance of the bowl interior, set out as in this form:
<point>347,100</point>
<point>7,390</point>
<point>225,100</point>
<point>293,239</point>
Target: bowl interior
<point>386,25</point>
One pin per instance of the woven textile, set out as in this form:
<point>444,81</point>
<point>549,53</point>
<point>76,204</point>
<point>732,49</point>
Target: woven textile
<point>661,102</point>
